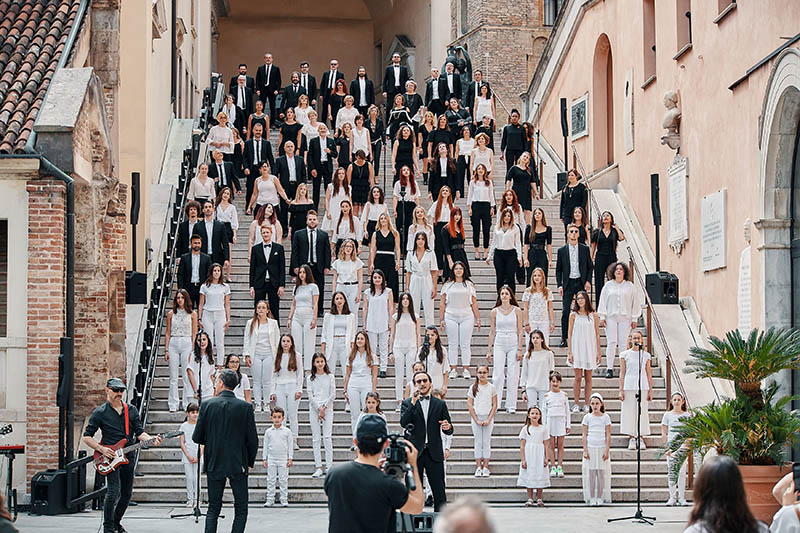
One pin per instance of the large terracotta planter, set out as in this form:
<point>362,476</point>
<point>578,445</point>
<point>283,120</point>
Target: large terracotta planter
<point>758,483</point>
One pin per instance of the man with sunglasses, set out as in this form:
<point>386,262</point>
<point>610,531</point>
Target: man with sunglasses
<point>429,417</point>
<point>117,421</point>
<point>573,274</point>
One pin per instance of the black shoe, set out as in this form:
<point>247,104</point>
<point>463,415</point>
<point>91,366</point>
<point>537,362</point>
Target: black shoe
<point>563,343</point>
<point>120,529</point>
<point>609,373</point>
<point>382,374</point>
<point>429,501</point>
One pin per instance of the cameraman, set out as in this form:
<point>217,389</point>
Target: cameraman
<point>361,497</point>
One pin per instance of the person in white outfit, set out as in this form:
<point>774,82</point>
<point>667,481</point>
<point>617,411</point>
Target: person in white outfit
<point>421,275</point>
<point>191,453</point>
<point>596,464</point>
<point>214,310</point>
<point>336,192</point>
<point>277,455</point>
<point>378,305</point>
<point>243,390</point>
<point>534,451</point>
<point>505,346</point>
<point>618,310</point>
<point>201,369</point>
<point>361,377</point>
<point>227,214</point>
<point>181,330</point>
<point>434,358</point>
<point>420,224</point>
<point>537,306</point>
<point>303,314</point>
<point>583,344</point>
<point>261,337</point>
<point>482,403</point>
<point>635,371</point>
<point>558,423</point>
<point>670,422</point>
<point>286,381</point>
<point>404,340</point>
<point>458,313</point>
<point>346,227</point>
<point>338,332</point>
<point>348,276</point>
<point>534,379</point>
<point>321,387</point>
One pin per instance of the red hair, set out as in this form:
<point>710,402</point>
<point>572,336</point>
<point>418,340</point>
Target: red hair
<point>438,212</point>
<point>451,226</point>
<point>412,183</point>
<point>514,205</point>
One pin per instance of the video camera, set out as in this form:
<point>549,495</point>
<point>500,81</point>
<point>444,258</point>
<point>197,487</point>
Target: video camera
<point>397,459</point>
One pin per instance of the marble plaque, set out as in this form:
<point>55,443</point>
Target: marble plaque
<point>713,231</point>
<point>579,122</point>
<point>677,176</point>
<point>627,111</point>
<point>744,296</point>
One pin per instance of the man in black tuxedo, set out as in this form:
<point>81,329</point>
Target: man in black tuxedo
<point>291,94</point>
<point>310,246</point>
<point>429,415</point>
<point>309,83</point>
<point>573,274</point>
<point>473,91</point>
<point>267,275</point>
<point>226,427</point>
<point>453,82</point>
<point>326,87</point>
<point>213,234</point>
<point>268,83</point>
<point>222,173</point>
<point>363,90</point>
<point>291,171</point>
<point>186,228</point>
<point>251,83</point>
<point>321,154</point>
<point>243,99</point>
<point>394,80</point>
<point>193,269</point>
<point>435,93</point>
<point>256,151</point>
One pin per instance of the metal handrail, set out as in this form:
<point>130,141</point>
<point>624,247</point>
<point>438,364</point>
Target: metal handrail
<point>500,101</point>
<point>590,192</point>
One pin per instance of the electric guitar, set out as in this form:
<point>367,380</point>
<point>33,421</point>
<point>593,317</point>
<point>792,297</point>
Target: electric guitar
<point>105,466</point>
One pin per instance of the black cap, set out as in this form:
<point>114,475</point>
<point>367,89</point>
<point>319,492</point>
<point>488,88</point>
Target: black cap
<point>115,384</point>
<point>371,427</point>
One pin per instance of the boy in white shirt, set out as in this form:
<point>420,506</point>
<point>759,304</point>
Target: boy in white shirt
<point>277,455</point>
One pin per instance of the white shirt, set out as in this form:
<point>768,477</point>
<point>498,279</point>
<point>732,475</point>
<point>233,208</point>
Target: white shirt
<point>450,82</point>
<point>347,271</point>
<point>241,97</point>
<point>443,167</point>
<point>480,191</point>
<point>506,239</point>
<point>435,87</point>
<point>536,370</point>
<point>574,269</point>
<point>304,296</point>
<point>360,371</point>
<point>284,376</point>
<point>631,358</point>
<point>331,79</point>
<point>218,134</point>
<point>257,150</point>
<point>444,215</point>
<point>198,189</point>
<point>269,71</point>
<point>304,80</point>
<point>672,419</point>
<point>206,381</point>
<point>321,391</point>
<point>209,233</point>
<point>191,446</point>
<point>785,520</point>
<point>619,300</point>
<point>396,69</point>
<point>557,404</point>
<point>278,445</point>
<point>458,298</point>
<point>195,268</point>
<point>596,429</point>
<point>228,215</point>
<point>323,143</point>
<point>292,169</point>
<point>482,401</point>
<point>244,385</point>
<point>215,294</point>
<point>409,196</point>
<point>343,231</point>
<point>362,84</point>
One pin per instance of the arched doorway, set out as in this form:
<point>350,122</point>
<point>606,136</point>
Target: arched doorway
<point>602,104</point>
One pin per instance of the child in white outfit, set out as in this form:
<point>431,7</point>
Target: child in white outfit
<point>558,421</point>
<point>191,453</point>
<point>277,455</point>
<point>596,465</point>
<point>670,423</point>
<point>537,364</point>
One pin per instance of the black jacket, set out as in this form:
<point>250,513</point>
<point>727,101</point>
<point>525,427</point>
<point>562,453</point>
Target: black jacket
<point>248,102</point>
<point>584,264</point>
<point>281,169</point>
<point>185,270</point>
<point>388,80</point>
<point>324,89</point>
<point>443,92</point>
<point>250,84</point>
<point>271,85</point>
<point>184,237</point>
<point>300,249</point>
<point>456,86</point>
<point>311,89</point>
<point>227,428</point>
<point>577,197</point>
<point>292,97</point>
<point>412,414</point>
<point>219,244</point>
<point>259,266</point>
<point>369,92</point>
<point>436,181</point>
<point>315,154</point>
<point>266,153</point>
<point>230,176</point>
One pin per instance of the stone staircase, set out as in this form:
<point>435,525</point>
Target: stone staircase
<point>163,479</point>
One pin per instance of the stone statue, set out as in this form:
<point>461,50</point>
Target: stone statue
<point>671,121</point>
<point>463,66</point>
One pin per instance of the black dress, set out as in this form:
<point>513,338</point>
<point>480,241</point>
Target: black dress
<point>258,120</point>
<point>398,117</point>
<point>359,181</point>
<point>238,161</point>
<point>521,182</point>
<point>385,259</point>
<point>572,197</point>
<point>537,251</point>
<point>425,134</point>
<point>438,136</point>
<point>298,213</point>
<point>405,156</point>
<point>337,102</point>
<point>413,102</point>
<point>605,256</point>
<point>454,247</point>
<point>376,134</point>
<point>343,147</point>
<point>289,132</point>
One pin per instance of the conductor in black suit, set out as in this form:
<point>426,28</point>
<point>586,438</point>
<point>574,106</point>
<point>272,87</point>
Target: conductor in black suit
<point>327,86</point>
<point>267,272</point>
<point>435,93</point>
<point>193,269</point>
<point>268,83</point>
<point>573,274</point>
<point>213,234</point>
<point>321,155</point>
<point>226,427</point>
<point>251,83</point>
<point>291,171</point>
<point>394,79</point>
<point>291,94</point>
<point>222,173</point>
<point>428,414</point>
<point>311,246</point>
<point>363,90</point>
<point>256,151</point>
<point>309,83</point>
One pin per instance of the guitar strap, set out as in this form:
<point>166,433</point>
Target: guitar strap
<point>127,431</point>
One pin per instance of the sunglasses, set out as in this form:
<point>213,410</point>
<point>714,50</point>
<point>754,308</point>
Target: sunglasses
<point>421,381</point>
<point>115,389</point>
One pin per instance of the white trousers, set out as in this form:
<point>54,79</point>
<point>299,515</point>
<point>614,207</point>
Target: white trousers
<point>617,330</point>
<point>284,398</point>
<point>544,327</point>
<point>505,357</point>
<point>180,349</point>
<point>262,365</point>
<point>379,343</point>
<point>420,288</point>
<point>681,481</point>
<point>191,480</point>
<point>304,337</point>
<point>357,394</point>
<point>321,433</point>
<point>338,353</point>
<point>459,335</point>
<point>483,438</point>
<point>350,293</point>
<point>214,325</point>
<point>536,398</point>
<point>404,357</point>
<point>277,471</point>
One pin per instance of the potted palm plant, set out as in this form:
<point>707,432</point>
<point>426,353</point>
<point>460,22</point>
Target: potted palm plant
<point>755,427</point>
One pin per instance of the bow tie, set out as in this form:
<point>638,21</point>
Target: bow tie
<point>426,397</point>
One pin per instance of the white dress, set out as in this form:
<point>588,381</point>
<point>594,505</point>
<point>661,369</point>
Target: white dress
<point>536,476</point>
<point>335,206</point>
<point>484,109</point>
<point>301,114</point>
<point>584,342</point>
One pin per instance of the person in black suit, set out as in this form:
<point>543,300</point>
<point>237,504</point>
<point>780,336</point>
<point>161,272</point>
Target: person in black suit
<point>217,245</point>
<point>327,86</point>
<point>435,93</point>
<point>363,90</point>
<point>186,228</point>
<point>452,81</point>
<point>428,414</point>
<point>268,83</point>
<point>292,93</point>
<point>193,269</point>
<point>226,427</point>
<point>573,274</point>
<point>243,98</point>
<point>308,82</point>
<point>251,83</point>
<point>223,174</point>
<point>394,79</point>
<point>291,171</point>
<point>320,161</point>
<point>267,276</point>
<point>311,246</point>
<point>256,151</point>
<point>474,90</point>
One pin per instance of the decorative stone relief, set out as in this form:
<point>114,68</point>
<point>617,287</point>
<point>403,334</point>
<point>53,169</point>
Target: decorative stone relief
<point>744,292</point>
<point>677,177</point>
<point>671,121</point>
<point>713,231</point>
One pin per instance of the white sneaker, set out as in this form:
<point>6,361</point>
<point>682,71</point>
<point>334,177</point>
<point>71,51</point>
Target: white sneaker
<point>511,411</point>
<point>347,407</point>
<point>189,503</point>
<point>642,445</point>
<point>317,473</point>
<point>397,409</point>
<point>682,502</point>
<point>486,472</point>
<point>296,446</point>
<point>453,374</point>
<point>258,408</point>
<point>268,503</point>
<point>586,409</point>
<point>466,374</point>
<point>632,443</point>
<point>671,502</point>
<point>478,472</point>
<point>284,504</point>
<point>576,408</point>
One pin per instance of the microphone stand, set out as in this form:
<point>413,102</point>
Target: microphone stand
<point>403,231</point>
<point>638,516</point>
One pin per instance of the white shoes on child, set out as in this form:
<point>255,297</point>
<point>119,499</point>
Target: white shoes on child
<point>482,472</point>
<point>453,374</point>
<point>672,502</point>
<point>318,473</point>
<point>486,472</point>
<point>632,444</point>
<point>595,502</point>
<point>466,374</point>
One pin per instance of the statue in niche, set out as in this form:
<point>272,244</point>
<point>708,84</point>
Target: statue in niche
<point>671,121</point>
<point>462,63</point>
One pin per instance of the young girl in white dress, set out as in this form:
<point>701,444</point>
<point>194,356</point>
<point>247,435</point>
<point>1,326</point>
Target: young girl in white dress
<point>537,364</point>
<point>404,340</point>
<point>436,362</point>
<point>535,455</point>
<point>421,276</point>
<point>632,375</point>
<point>670,423</point>
<point>537,306</point>
<point>347,274</point>
<point>338,190</point>
<point>482,403</point>
<point>378,305</point>
<point>596,464</point>
<point>558,422</point>
<point>583,345</point>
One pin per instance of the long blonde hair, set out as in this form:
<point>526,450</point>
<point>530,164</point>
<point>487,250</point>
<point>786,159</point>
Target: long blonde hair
<point>533,289</point>
<point>367,349</point>
<point>353,255</point>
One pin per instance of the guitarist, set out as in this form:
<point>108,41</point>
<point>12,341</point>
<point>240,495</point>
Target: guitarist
<point>118,421</point>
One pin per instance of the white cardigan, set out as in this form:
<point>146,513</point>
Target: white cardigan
<point>327,330</point>
<point>249,346</point>
<point>619,299</point>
